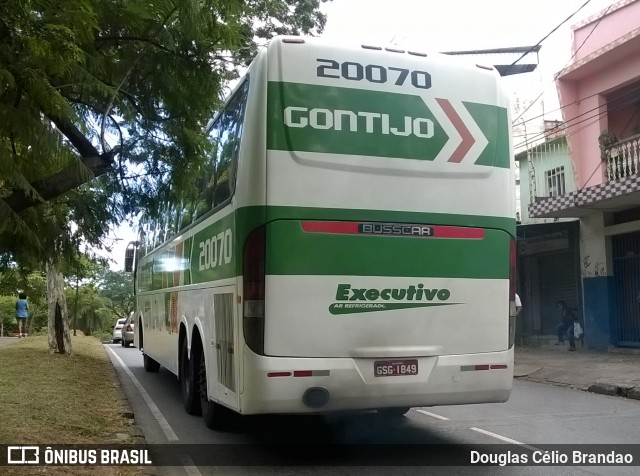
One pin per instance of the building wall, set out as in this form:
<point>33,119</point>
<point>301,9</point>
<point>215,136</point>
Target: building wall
<point>606,63</point>
<point>601,44</point>
<point>585,113</point>
<point>623,17</point>
<point>597,282</point>
<point>583,130</point>
<point>592,246</point>
<point>543,158</point>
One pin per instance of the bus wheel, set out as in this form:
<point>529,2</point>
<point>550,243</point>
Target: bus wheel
<point>150,365</point>
<point>393,412</point>
<point>215,416</point>
<point>188,383</point>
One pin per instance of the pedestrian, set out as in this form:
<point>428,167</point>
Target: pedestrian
<point>22,312</point>
<point>514,309</point>
<point>567,319</point>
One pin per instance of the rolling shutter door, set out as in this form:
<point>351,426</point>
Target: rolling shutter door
<point>557,283</point>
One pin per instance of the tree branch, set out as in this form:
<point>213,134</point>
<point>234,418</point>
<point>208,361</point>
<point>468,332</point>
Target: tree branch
<point>68,178</point>
<point>124,78</point>
<point>57,184</point>
<point>118,39</point>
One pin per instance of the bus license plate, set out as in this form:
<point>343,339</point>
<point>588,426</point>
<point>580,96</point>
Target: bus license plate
<point>389,368</point>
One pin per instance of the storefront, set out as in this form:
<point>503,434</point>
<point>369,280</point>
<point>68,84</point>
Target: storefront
<point>548,272</point>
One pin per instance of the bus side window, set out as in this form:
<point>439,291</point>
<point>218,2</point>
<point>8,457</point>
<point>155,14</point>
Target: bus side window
<point>214,183</point>
<point>225,137</point>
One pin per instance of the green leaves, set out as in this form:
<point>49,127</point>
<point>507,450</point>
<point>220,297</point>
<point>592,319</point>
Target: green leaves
<point>88,86</point>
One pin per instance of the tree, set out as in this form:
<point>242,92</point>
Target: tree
<point>92,308</point>
<point>92,86</point>
<point>7,314</point>
<point>117,288</point>
<point>57,230</point>
<point>123,90</point>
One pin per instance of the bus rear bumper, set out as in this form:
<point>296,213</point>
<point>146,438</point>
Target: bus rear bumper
<point>324,385</point>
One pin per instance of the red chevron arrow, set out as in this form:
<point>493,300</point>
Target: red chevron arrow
<point>467,139</point>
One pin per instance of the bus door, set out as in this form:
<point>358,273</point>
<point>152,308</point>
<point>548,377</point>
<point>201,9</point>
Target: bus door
<point>223,358</point>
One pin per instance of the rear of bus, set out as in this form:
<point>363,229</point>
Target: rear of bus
<point>386,260</point>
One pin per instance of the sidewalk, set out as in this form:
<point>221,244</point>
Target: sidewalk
<point>599,372</point>
<point>7,340</point>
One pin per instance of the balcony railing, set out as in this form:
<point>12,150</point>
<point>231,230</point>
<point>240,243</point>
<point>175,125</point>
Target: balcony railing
<point>623,158</point>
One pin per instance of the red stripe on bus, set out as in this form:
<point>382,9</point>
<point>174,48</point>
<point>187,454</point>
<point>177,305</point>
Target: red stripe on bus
<point>340,227</point>
<point>351,228</point>
<point>458,232</point>
<point>302,373</point>
<point>279,374</point>
<point>467,138</point>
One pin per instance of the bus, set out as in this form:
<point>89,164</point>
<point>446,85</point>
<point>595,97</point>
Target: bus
<point>352,243</point>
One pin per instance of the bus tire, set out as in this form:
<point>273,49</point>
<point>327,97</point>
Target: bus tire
<point>393,411</point>
<point>150,365</point>
<point>188,382</point>
<point>215,416</point>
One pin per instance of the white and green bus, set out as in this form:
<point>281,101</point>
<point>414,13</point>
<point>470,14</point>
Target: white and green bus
<point>352,245</point>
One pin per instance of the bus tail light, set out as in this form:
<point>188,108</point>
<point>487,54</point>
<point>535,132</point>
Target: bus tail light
<point>512,292</point>
<point>253,286</point>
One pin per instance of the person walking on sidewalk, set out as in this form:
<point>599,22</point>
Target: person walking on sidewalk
<point>567,319</point>
<point>518,305</point>
<point>22,312</point>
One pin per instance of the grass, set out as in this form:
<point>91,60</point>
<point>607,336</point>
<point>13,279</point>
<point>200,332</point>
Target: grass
<point>50,398</point>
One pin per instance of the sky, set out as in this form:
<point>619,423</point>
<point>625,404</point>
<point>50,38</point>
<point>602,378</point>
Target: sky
<point>454,25</point>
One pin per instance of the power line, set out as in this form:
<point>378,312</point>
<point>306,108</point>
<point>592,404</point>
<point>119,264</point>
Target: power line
<point>592,120</point>
<point>571,123</point>
<point>571,133</point>
<point>558,109</point>
<point>567,63</point>
<point>547,35</point>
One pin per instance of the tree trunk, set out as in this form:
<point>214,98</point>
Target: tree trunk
<point>59,338</point>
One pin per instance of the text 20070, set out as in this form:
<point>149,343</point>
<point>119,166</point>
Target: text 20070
<point>373,73</point>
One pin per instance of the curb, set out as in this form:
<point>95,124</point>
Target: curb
<point>626,391</point>
<point>524,370</point>
<point>134,434</point>
<point>600,388</point>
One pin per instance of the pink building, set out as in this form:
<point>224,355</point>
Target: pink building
<point>600,96</point>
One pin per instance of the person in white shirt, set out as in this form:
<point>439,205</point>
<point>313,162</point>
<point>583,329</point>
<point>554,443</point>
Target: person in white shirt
<point>518,305</point>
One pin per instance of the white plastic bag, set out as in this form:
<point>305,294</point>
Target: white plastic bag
<point>577,330</point>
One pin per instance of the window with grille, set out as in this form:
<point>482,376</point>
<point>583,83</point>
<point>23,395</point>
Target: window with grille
<point>555,182</point>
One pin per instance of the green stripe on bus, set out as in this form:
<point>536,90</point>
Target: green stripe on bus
<point>294,252</point>
<point>336,120</point>
<point>493,121</point>
<point>351,121</point>
<point>214,253</point>
<point>249,218</point>
<point>245,220</point>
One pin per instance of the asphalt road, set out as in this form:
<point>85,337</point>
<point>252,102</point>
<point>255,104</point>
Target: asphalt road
<point>536,415</point>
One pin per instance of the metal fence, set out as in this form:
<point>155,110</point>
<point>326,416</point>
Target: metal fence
<point>622,158</point>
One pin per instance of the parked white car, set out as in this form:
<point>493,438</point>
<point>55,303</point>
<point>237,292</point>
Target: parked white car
<point>117,331</point>
<point>127,331</point>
